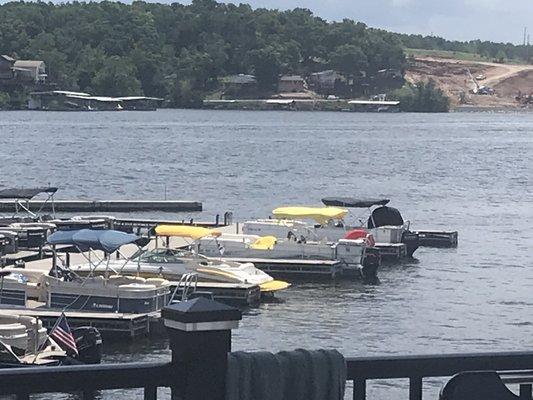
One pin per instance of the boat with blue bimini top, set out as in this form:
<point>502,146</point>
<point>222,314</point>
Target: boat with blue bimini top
<point>63,289</point>
<point>110,292</point>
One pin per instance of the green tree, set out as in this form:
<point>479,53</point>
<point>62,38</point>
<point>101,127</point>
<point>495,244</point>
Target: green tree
<point>117,77</point>
<point>349,60</point>
<point>266,65</point>
<point>422,97</point>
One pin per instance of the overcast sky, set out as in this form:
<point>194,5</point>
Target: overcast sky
<point>496,20</point>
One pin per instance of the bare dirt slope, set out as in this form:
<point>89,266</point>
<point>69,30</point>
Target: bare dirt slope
<point>453,78</point>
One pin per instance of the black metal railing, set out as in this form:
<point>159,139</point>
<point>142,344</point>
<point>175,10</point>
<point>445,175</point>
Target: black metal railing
<point>417,367</point>
<point>87,379</point>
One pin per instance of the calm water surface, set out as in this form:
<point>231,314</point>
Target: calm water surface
<point>471,172</point>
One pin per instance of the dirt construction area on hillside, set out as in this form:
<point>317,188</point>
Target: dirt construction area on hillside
<point>457,79</point>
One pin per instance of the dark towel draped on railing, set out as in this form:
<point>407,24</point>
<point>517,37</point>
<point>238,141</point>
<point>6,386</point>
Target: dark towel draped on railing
<point>287,375</point>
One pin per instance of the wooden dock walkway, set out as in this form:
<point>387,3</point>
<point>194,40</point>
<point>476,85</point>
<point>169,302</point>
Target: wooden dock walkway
<point>105,205</point>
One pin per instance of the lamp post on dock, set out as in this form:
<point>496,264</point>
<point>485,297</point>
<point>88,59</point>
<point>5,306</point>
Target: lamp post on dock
<point>199,332</point>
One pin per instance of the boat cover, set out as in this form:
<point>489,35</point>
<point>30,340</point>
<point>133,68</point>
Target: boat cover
<point>193,232</point>
<point>28,193</point>
<point>320,214</point>
<point>383,216</point>
<point>107,240</point>
<point>353,202</point>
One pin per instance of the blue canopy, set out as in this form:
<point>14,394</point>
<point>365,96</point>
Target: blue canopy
<point>96,239</point>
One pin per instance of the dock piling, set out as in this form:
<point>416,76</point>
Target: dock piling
<point>199,332</point>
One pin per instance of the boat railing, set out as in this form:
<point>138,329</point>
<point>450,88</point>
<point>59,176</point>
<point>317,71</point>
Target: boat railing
<point>187,284</point>
<point>199,332</point>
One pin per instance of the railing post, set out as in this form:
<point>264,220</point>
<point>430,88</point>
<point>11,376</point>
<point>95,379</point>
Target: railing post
<point>150,393</point>
<point>415,388</point>
<point>525,392</point>
<point>199,332</point>
<point>359,389</point>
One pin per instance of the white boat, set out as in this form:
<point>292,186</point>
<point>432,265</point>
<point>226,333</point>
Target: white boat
<point>384,228</point>
<point>346,256</point>
<point>24,341</point>
<point>172,264</point>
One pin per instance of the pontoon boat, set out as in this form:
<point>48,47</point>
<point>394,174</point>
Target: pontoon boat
<point>64,289</point>
<point>385,224</point>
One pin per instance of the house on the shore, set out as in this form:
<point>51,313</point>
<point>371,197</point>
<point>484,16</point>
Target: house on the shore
<point>6,67</point>
<point>325,82</point>
<point>291,84</point>
<point>389,73</point>
<point>30,70</point>
<point>241,85</point>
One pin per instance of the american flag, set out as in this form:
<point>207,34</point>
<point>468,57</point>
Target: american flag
<point>62,334</point>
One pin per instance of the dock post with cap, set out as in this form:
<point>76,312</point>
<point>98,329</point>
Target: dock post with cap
<point>199,332</point>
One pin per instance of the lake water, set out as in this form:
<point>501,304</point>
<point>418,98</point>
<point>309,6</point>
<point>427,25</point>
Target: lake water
<point>466,171</point>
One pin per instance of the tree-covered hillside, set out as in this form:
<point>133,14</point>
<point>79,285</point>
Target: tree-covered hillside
<point>491,50</point>
<point>179,51</point>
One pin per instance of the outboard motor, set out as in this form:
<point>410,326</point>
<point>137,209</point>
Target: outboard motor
<point>371,263</point>
<point>89,344</point>
<point>383,216</point>
<point>411,241</point>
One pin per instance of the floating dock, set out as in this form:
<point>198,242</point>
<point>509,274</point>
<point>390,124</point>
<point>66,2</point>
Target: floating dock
<point>434,238</point>
<point>104,205</point>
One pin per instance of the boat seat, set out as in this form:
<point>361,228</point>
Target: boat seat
<point>125,279</point>
<point>15,335</point>
<point>31,274</point>
<point>158,282</point>
<point>12,329</point>
<point>136,287</point>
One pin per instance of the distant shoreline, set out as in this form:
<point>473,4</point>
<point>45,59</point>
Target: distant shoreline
<point>461,109</point>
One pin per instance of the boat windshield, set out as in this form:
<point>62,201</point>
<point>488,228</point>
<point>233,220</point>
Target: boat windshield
<point>163,255</point>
